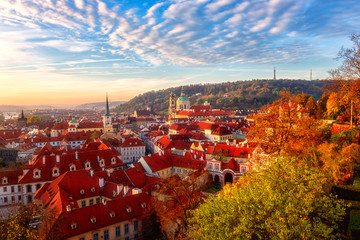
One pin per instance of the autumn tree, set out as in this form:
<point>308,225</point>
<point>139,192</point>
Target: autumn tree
<point>34,119</point>
<point>281,129</point>
<point>19,224</point>
<point>172,203</point>
<point>285,200</point>
<point>346,79</point>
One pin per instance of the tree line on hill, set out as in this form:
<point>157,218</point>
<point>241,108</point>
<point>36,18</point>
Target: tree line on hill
<point>227,95</point>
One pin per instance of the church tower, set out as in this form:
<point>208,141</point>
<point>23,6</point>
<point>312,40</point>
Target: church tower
<point>107,118</point>
<point>172,105</point>
<point>22,121</point>
<point>183,102</point>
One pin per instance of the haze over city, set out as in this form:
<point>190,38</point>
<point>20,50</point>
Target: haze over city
<point>72,52</point>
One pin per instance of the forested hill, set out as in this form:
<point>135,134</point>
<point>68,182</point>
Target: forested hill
<point>235,95</point>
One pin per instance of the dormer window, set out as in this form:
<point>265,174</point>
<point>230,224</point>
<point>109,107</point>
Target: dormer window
<point>102,163</point>
<point>73,225</point>
<point>113,160</point>
<point>82,191</point>
<point>72,167</point>
<point>92,189</point>
<point>143,204</point>
<point>87,165</point>
<point>93,219</point>
<point>55,172</point>
<point>112,213</point>
<point>37,173</point>
<point>128,209</point>
<point>4,180</point>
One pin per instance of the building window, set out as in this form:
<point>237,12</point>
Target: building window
<point>216,166</point>
<point>210,166</point>
<point>95,236</point>
<point>4,189</point>
<point>98,200</point>
<point>117,231</point>
<point>36,173</point>
<point>106,235</point>
<point>55,172</point>
<point>12,189</point>
<point>82,238</point>
<point>136,236</point>
<point>112,213</point>
<point>4,180</point>
<point>5,199</point>
<point>83,203</point>
<point>91,202</point>
<point>127,238</point>
<point>72,167</point>
<point>126,228</point>
<point>19,198</point>
<point>28,188</point>
<point>92,189</point>
<point>102,163</point>
<point>19,188</point>
<point>73,225</point>
<point>128,209</point>
<point>93,219</point>
<point>136,225</point>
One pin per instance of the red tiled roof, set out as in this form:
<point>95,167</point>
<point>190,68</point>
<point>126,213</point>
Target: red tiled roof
<point>132,142</point>
<point>67,158</point>
<point>10,134</point>
<point>169,159</point>
<point>11,175</point>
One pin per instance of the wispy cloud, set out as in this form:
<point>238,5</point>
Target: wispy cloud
<point>66,35</point>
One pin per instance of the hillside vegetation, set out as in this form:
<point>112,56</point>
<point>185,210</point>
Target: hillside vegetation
<point>233,95</point>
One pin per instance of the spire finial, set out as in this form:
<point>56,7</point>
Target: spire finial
<point>107,110</point>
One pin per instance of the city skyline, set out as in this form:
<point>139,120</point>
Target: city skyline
<point>73,52</point>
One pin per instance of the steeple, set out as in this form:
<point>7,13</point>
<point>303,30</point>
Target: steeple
<point>107,110</point>
<point>22,113</point>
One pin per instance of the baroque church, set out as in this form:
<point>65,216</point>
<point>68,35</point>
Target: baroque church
<point>181,104</point>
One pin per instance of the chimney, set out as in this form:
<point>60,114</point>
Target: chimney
<point>91,173</point>
<point>68,208</point>
<point>101,182</point>
<point>126,189</point>
<point>57,158</point>
<point>118,189</point>
<point>44,160</point>
<point>76,155</point>
<point>98,158</point>
<point>104,201</point>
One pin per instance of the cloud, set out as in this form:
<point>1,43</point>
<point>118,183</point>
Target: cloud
<point>183,32</point>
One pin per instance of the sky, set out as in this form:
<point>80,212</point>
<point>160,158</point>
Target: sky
<point>76,51</point>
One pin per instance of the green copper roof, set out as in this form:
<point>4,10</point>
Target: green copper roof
<point>183,99</point>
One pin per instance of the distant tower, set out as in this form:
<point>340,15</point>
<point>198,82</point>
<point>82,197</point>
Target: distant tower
<point>172,106</point>
<point>310,74</point>
<point>107,118</point>
<point>274,73</point>
<point>22,121</point>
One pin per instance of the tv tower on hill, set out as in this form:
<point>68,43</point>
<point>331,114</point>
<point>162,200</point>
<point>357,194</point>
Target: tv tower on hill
<point>274,73</point>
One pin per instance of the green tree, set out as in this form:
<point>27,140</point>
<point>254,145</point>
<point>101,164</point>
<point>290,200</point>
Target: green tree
<point>285,200</point>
